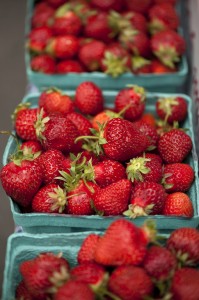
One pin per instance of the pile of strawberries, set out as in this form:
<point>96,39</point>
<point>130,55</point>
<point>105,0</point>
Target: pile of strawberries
<point>79,157</point>
<point>124,263</point>
<point>114,37</point>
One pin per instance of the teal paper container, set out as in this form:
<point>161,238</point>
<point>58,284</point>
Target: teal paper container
<point>52,223</point>
<point>169,83</point>
<point>22,246</point>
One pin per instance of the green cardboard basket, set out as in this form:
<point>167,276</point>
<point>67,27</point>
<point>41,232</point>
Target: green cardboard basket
<point>52,223</point>
<point>169,83</point>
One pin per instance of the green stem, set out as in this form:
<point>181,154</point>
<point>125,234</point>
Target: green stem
<point>86,137</point>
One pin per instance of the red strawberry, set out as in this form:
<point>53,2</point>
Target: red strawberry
<point>21,179</point>
<point>43,63</point>
<point>159,263</point>
<point>112,250</point>
<point>138,6</point>
<point>168,46</point>
<point>184,243</point>
<point>147,168</point>
<point>174,146</point>
<point>148,118</point>
<point>121,279</point>
<point>69,66</point>
<point>185,284</point>
<point>103,117</point>
<point>150,132</point>
<point>82,123</point>
<point>63,47</point>
<point>55,3</point>
<point>75,290</point>
<point>173,2</point>
<point>89,98</point>
<point>107,5</point>
<point>147,198</point>
<point>66,23</point>
<point>42,15</point>
<point>31,147</point>
<point>177,177</point>
<point>161,17</point>
<point>46,273</point>
<point>134,98</point>
<point>91,53</point>
<point>53,100</point>
<point>38,38</point>
<point>87,249</point>
<point>50,199</point>
<point>57,132</point>
<point>136,20</point>
<point>157,67</point>
<point>178,204</point>
<point>22,292</point>
<point>113,199</point>
<point>172,109</point>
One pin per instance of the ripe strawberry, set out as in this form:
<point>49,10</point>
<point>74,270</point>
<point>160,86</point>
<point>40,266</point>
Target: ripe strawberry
<point>50,199</point>
<point>111,249</point>
<point>107,5</point>
<point>43,63</point>
<point>63,47</point>
<point>45,274</point>
<point>184,243</point>
<point>177,177</point>
<point>178,204</point>
<point>53,100</point>
<point>149,119</point>
<point>136,20</point>
<point>168,46</point>
<point>172,109</point>
<point>174,146</point>
<point>76,290</point>
<point>38,38</point>
<point>89,98</point>
<point>120,283</point>
<point>82,123</point>
<point>138,6</point>
<point>185,284</point>
<point>103,117</point>
<point>21,179</point>
<point>150,132</point>
<point>173,2</point>
<point>66,23</point>
<point>91,53</point>
<point>147,168</point>
<point>87,249</point>
<point>42,15</point>
<point>140,65</point>
<point>157,67</point>
<point>134,98</point>
<point>161,17</point>
<point>69,66</point>
<point>31,147</point>
<point>57,132</point>
<point>22,292</point>
<point>159,263</point>
<point>55,3</point>
<point>146,198</point>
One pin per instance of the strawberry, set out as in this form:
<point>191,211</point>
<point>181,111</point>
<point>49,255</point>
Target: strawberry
<point>87,249</point>
<point>149,119</point>
<point>173,2</point>
<point>55,3</point>
<point>140,65</point>
<point>172,109</point>
<point>150,132</point>
<point>89,98</point>
<point>177,177</point>
<point>134,98</point>
<point>136,20</point>
<point>178,204</point>
<point>105,172</point>
<point>53,100</point>
<point>107,5</point>
<point>82,123</point>
<point>76,290</point>
<point>184,243</point>
<point>50,199</point>
<point>21,179</point>
<point>63,47</point>
<point>147,168</point>
<point>38,38</point>
<point>31,147</point>
<point>185,284</point>
<point>57,132</point>
<point>43,63</point>
<point>138,6</point>
<point>103,117</point>
<point>146,198</point>
<point>69,66</point>
<point>121,279</point>
<point>112,250</point>
<point>42,15</point>
<point>45,274</point>
<point>174,146</point>
<point>22,292</point>
<point>161,17</point>
<point>66,23</point>
<point>157,67</point>
<point>159,263</point>
<point>91,53</point>
<point>168,46</point>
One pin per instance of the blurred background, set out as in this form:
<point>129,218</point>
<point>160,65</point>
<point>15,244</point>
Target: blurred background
<point>12,89</point>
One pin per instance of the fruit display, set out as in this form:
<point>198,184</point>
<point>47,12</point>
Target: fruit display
<point>91,156</point>
<point>125,262</point>
<point>100,40</point>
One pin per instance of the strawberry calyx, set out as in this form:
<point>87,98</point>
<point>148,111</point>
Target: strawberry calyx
<point>139,62</point>
<point>118,23</point>
<point>88,171</point>
<point>50,47</point>
<point>135,210</point>
<point>127,35</point>
<point>58,199</point>
<point>155,26</point>
<point>40,124</point>
<point>115,65</point>
<point>166,104</point>
<point>57,279</point>
<point>183,258</point>
<point>52,90</point>
<point>164,183</point>
<point>20,106</point>
<point>150,231</point>
<point>138,90</point>
<point>168,55</point>
<point>62,10</point>
<point>136,167</point>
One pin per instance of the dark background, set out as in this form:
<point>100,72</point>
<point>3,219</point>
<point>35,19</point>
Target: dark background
<point>12,90</point>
